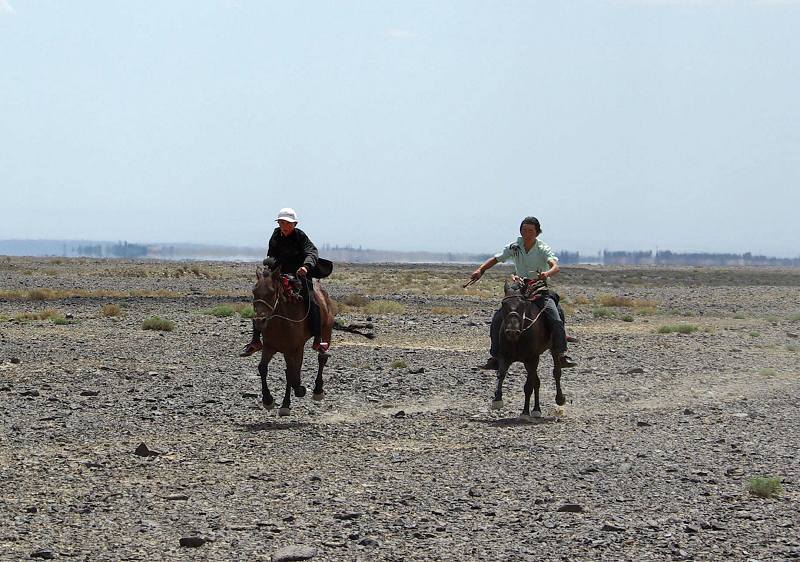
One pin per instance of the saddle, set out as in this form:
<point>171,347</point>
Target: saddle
<point>292,287</point>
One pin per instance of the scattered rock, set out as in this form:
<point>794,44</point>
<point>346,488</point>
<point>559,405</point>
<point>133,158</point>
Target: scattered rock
<point>688,412</point>
<point>475,492</point>
<point>792,334</point>
<point>347,515</point>
<point>400,414</point>
<point>612,528</point>
<point>635,371</point>
<point>33,392</point>
<point>143,451</point>
<point>294,552</point>
<point>89,393</point>
<point>570,508</point>
<point>643,424</point>
<point>192,542</point>
<point>15,360</point>
<point>176,497</point>
<point>417,371</point>
<point>369,543</point>
<point>44,554</point>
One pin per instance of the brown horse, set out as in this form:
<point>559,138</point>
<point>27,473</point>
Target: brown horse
<point>524,336</point>
<point>285,329</point>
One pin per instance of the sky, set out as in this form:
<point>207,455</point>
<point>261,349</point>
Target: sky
<point>404,125</point>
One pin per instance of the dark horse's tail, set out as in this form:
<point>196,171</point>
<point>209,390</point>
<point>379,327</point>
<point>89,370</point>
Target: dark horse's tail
<point>356,328</point>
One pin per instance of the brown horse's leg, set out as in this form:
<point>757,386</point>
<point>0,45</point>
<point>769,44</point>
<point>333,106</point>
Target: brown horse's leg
<point>294,364</point>
<point>560,400</point>
<point>319,392</point>
<point>263,366</point>
<point>532,385</point>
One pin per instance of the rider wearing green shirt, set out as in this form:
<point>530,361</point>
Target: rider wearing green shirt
<point>533,259</point>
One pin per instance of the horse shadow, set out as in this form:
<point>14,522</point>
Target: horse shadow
<point>271,425</point>
<point>516,421</point>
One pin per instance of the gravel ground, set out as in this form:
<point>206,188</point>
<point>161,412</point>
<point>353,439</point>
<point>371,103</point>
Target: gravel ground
<point>651,457</point>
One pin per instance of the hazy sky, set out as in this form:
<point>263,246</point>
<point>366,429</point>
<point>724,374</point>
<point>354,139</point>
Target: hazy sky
<point>432,125</point>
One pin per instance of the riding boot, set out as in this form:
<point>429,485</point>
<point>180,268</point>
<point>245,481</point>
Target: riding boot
<point>255,343</point>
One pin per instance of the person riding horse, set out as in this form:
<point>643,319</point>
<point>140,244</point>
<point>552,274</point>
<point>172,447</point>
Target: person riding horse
<point>532,259</point>
<point>296,254</point>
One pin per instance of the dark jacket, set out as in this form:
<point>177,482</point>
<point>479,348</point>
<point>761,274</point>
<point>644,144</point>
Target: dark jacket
<point>292,251</point>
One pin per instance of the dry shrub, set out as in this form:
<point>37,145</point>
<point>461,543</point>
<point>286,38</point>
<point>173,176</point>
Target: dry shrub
<point>111,310</point>
<point>384,307</point>
<point>46,314</point>
<point>157,323</point>
<point>447,310</point>
<point>581,299</point>
<point>356,300</point>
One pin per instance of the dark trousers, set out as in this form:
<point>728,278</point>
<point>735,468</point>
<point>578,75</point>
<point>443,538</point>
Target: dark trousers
<point>552,315</point>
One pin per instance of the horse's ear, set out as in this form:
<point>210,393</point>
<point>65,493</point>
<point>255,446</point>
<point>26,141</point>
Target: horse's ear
<point>270,263</point>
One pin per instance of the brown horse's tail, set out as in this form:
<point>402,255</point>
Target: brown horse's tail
<point>356,328</point>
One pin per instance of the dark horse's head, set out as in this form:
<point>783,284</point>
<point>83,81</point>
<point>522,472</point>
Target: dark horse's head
<point>514,309</point>
<point>267,290</point>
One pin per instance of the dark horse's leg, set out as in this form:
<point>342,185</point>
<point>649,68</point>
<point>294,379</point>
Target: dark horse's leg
<point>263,366</point>
<point>503,365</point>
<point>319,392</point>
<point>560,400</point>
<point>294,364</point>
<point>532,385</point>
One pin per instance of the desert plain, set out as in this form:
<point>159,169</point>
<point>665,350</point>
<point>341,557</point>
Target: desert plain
<point>679,439</point>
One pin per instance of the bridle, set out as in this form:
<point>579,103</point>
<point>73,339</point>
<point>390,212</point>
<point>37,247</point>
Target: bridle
<point>271,314</point>
<point>524,313</point>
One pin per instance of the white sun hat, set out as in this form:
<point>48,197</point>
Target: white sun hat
<point>287,214</point>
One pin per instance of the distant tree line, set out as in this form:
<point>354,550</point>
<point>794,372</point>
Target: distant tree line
<point>667,257</point>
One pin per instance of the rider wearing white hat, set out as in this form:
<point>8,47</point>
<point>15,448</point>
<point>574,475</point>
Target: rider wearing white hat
<point>296,254</point>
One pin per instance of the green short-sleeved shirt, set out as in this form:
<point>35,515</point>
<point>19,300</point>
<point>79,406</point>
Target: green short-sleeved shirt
<point>528,263</point>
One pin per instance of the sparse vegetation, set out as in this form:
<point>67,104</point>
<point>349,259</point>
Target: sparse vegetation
<point>356,300</point>
<point>447,310</point>
<point>244,310</point>
<point>792,347</point>
<point>384,307</point>
<point>46,314</point>
<point>677,328</point>
<point>602,312</point>
<point>627,302</point>
<point>627,318</point>
<point>221,311</point>
<point>795,317</point>
<point>765,486</point>
<point>753,333</point>
<point>399,364</point>
<point>111,310</point>
<point>739,316</point>
<point>768,372</point>
<point>57,294</point>
<point>157,323</point>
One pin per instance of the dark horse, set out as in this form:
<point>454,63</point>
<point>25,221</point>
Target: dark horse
<point>285,329</point>
<point>524,337</point>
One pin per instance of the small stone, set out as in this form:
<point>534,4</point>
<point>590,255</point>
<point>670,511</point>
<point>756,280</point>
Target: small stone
<point>176,497</point>
<point>347,515</point>
<point>417,371</point>
<point>89,393</point>
<point>33,392</point>
<point>612,528</point>
<point>792,334</point>
<point>32,509</point>
<point>294,552</point>
<point>192,542</point>
<point>475,492</point>
<point>249,395</point>
<point>570,508</point>
<point>43,553</point>
<point>635,371</point>
<point>688,412</point>
<point>369,543</point>
<point>143,451</point>
<point>15,360</point>
<point>401,414</point>
<point>643,424</point>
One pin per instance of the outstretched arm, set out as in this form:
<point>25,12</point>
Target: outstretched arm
<point>491,262</point>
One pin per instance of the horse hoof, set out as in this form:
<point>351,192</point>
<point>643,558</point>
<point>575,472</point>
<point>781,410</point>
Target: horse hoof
<point>283,412</point>
<point>497,404</point>
<point>536,414</point>
<point>300,391</point>
<point>561,400</point>
<point>318,397</point>
<point>267,405</point>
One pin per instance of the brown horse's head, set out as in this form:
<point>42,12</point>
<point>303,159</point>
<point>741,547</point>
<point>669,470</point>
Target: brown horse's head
<point>267,290</point>
<point>513,308</point>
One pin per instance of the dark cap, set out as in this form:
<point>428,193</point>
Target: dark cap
<point>531,220</point>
